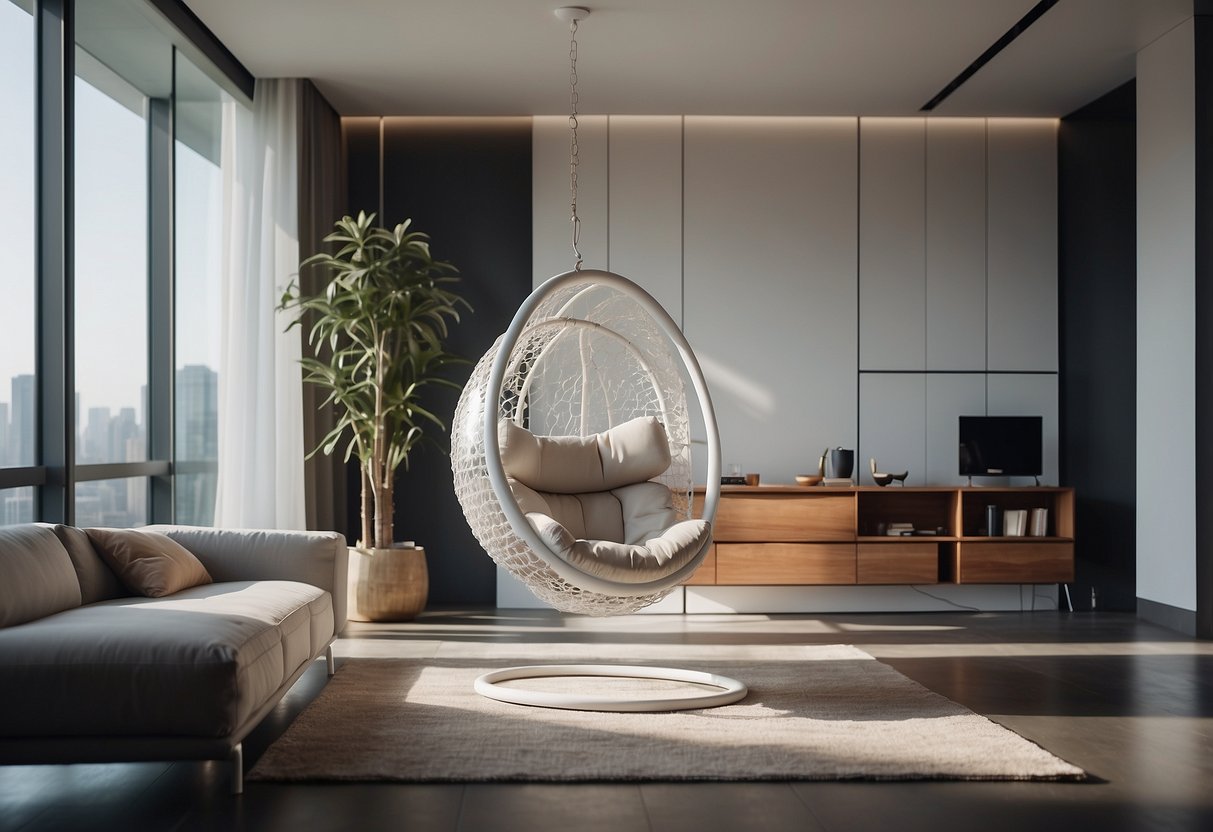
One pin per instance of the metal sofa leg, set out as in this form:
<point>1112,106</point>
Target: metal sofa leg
<point>236,758</point>
<point>328,656</point>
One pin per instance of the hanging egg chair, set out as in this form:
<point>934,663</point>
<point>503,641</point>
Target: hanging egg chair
<point>571,455</point>
<point>571,447</point>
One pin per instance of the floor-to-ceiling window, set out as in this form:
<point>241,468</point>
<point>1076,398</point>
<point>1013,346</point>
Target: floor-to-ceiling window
<point>111,290</point>
<point>18,414</point>
<point>198,119</point>
<point>113,250</point>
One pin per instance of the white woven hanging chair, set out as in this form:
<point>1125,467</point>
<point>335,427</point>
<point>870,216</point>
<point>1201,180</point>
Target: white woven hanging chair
<point>586,354</point>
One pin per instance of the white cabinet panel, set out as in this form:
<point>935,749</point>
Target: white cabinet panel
<point>950,396</point>
<point>552,231</point>
<point>1022,244</point>
<point>892,244</point>
<point>892,425</point>
<point>1032,395</point>
<point>956,244</point>
<point>646,205</point>
<point>770,284</point>
<point>1167,241</point>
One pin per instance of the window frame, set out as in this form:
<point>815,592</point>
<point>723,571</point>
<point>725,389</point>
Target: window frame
<point>56,473</point>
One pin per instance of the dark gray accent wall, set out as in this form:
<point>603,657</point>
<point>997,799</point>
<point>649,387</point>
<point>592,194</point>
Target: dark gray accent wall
<point>1204,316</point>
<point>467,183</point>
<point>1097,284</point>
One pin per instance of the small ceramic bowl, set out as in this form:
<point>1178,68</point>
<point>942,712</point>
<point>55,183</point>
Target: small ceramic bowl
<point>808,479</point>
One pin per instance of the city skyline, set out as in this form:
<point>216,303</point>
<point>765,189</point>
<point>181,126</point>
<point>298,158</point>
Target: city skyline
<point>110,188</point>
<point>107,435</point>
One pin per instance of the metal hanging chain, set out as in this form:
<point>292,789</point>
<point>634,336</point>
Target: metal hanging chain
<point>573,149</point>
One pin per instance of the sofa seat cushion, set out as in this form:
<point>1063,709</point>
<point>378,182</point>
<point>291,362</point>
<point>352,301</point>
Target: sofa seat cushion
<point>197,663</point>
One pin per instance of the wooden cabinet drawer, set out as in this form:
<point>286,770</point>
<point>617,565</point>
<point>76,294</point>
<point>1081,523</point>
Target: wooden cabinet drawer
<point>1014,563</point>
<point>897,563</point>
<point>705,575</point>
<point>785,517</point>
<point>765,564</point>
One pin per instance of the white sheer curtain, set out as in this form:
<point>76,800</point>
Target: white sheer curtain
<point>260,382</point>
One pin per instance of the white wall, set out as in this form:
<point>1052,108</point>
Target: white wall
<point>957,272</point>
<point>1166,323</point>
<point>770,285</point>
<point>843,281</point>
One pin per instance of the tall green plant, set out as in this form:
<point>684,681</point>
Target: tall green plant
<point>377,329</point>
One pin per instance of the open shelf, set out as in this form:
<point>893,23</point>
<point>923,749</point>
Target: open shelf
<point>795,535</point>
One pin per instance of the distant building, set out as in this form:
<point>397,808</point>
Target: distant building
<point>23,431</point>
<point>197,441</point>
<point>95,439</point>
<point>5,451</point>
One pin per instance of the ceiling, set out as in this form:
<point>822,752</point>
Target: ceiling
<point>721,57</point>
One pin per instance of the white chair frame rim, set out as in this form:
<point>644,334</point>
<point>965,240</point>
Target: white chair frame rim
<point>730,690</point>
<point>496,473</point>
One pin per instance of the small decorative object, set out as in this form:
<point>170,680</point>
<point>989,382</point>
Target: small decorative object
<point>821,464</point>
<point>837,482</point>
<point>882,479</point>
<point>993,521</point>
<point>842,463</point>
<point>1014,522</point>
<point>1039,523</point>
<point>752,479</point>
<point>734,475</point>
<point>809,479</point>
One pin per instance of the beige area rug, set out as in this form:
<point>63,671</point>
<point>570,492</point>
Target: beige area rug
<point>813,713</point>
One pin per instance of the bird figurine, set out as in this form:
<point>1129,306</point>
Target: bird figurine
<point>883,479</point>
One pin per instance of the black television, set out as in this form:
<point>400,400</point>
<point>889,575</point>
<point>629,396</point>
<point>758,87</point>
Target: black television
<point>1000,446</point>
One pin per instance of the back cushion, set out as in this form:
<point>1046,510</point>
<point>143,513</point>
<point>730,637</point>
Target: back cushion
<point>631,514</point>
<point>629,453</point>
<point>648,511</point>
<point>36,575</point>
<point>97,581</point>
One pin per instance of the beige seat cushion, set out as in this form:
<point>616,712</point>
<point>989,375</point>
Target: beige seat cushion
<point>632,452</point>
<point>631,514</point>
<point>590,501</point>
<point>198,663</point>
<point>626,562</point>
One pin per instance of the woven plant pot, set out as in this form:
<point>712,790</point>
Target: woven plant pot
<point>387,584</point>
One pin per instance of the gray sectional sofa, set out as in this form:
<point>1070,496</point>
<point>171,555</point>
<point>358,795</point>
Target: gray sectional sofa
<point>89,673</point>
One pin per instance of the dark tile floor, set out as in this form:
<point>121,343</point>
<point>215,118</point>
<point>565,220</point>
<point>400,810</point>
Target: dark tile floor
<point>1129,702</point>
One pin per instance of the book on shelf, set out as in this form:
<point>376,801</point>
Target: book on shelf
<point>1039,525</point>
<point>837,482</point>
<point>1014,522</point>
<point>899,529</point>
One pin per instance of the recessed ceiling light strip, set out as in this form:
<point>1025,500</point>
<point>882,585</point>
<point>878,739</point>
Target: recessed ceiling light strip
<point>984,58</point>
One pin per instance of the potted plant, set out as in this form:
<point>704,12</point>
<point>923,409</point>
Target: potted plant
<point>377,330</point>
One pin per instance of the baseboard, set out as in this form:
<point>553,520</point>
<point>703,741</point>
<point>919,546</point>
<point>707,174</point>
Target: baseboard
<point>1165,615</point>
<point>854,599</point>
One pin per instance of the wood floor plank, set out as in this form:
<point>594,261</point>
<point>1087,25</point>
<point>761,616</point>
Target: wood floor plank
<point>1128,701</point>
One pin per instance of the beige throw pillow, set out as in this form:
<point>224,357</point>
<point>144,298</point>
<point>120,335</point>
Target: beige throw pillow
<point>148,563</point>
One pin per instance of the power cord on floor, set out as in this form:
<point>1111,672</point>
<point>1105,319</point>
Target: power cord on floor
<point>945,600</point>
